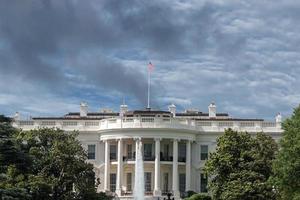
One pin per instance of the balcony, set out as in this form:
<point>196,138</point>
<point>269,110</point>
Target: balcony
<point>129,157</point>
<point>166,158</point>
<point>155,122</point>
<point>149,158</point>
<point>181,159</point>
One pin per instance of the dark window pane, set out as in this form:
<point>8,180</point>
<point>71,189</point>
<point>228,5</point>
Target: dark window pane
<point>113,182</point>
<point>203,183</point>
<point>91,151</point>
<point>113,152</point>
<point>182,182</point>
<point>204,152</point>
<point>147,181</point>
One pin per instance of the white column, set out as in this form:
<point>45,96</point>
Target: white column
<point>157,191</point>
<point>107,166</point>
<point>188,166</point>
<point>119,168</point>
<point>175,169</point>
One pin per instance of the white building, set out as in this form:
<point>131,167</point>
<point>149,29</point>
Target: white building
<point>175,145</point>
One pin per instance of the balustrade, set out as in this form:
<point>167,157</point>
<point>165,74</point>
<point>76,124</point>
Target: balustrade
<point>151,122</point>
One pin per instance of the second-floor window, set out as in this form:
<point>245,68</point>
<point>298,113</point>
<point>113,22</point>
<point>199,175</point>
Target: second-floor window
<point>129,151</point>
<point>91,151</point>
<point>204,152</point>
<point>147,151</point>
<point>181,152</point>
<point>113,152</point>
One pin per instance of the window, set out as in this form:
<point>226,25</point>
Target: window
<point>166,153</point>
<point>166,150</point>
<point>91,151</point>
<point>129,182</point>
<point>181,182</point>
<point>147,181</point>
<point>182,152</point>
<point>112,182</point>
<point>203,183</point>
<point>113,152</point>
<point>129,151</point>
<point>147,151</point>
<point>166,182</point>
<point>204,152</point>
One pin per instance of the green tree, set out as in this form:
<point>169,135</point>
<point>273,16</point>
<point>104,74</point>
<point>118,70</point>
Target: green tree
<point>12,159</point>
<point>199,197</point>
<point>58,169</point>
<point>47,164</point>
<point>241,166</point>
<point>287,164</point>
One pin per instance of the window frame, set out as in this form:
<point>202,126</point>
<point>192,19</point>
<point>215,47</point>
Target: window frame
<point>204,155</point>
<point>94,153</point>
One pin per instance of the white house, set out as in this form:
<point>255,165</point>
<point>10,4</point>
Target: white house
<point>175,144</point>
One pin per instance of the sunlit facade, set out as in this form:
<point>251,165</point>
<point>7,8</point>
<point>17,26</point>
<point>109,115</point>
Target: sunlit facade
<point>175,144</point>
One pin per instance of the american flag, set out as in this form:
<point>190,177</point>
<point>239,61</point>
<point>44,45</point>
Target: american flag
<point>150,67</point>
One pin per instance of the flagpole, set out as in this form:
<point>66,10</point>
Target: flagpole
<point>149,88</point>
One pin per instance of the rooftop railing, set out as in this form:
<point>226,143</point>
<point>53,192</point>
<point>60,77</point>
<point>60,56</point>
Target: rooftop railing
<point>152,122</point>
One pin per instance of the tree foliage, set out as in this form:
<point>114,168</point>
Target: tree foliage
<point>46,164</point>
<point>199,197</point>
<point>241,166</point>
<point>287,164</point>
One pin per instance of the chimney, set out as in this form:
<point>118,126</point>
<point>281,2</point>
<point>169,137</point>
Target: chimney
<point>212,110</point>
<point>83,109</point>
<point>172,109</point>
<point>123,109</point>
<point>17,116</point>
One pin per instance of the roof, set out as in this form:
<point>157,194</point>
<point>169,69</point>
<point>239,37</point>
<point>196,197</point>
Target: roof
<point>226,119</point>
<point>142,112</point>
<point>93,114</point>
<point>201,114</point>
<point>67,118</point>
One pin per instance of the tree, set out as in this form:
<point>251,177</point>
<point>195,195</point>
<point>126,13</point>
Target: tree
<point>287,164</point>
<point>58,168</point>
<point>46,164</point>
<point>12,159</point>
<point>241,166</point>
<point>199,197</point>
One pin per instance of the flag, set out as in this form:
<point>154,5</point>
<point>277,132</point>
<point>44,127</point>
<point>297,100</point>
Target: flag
<point>150,67</point>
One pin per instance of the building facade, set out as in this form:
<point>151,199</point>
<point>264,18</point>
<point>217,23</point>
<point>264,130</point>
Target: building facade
<point>175,145</point>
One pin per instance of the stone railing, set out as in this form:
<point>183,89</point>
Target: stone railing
<point>152,122</point>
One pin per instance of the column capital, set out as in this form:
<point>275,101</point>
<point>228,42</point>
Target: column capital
<point>176,139</point>
<point>157,139</point>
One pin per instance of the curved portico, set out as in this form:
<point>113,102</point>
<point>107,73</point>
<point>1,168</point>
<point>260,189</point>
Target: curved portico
<point>163,152</point>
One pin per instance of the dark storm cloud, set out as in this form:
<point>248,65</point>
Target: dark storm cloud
<point>242,53</point>
<point>37,32</point>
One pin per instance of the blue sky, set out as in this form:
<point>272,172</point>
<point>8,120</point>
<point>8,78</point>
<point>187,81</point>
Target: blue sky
<point>244,55</point>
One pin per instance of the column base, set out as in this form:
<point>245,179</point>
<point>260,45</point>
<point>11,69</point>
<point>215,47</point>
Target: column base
<point>157,193</point>
<point>118,192</point>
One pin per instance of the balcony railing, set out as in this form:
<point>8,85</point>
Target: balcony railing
<point>181,159</point>
<point>149,158</point>
<point>129,157</point>
<point>151,122</point>
<point>166,158</point>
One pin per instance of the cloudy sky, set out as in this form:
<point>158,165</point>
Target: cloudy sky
<point>244,55</point>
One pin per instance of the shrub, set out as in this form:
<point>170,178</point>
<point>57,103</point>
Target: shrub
<point>199,197</point>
